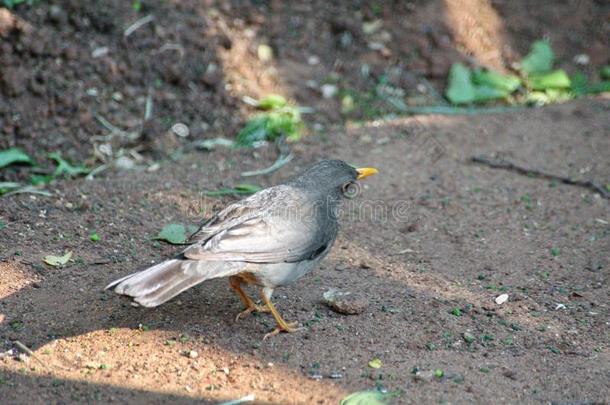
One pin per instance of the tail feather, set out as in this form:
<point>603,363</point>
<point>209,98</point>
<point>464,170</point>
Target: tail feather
<point>162,282</point>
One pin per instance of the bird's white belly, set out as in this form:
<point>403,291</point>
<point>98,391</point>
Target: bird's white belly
<point>279,274</point>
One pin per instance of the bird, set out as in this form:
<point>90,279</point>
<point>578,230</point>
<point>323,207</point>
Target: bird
<point>269,239</point>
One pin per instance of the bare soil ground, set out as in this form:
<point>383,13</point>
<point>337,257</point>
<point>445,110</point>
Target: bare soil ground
<point>448,234</point>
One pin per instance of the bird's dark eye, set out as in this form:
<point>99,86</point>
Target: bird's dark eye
<point>350,189</point>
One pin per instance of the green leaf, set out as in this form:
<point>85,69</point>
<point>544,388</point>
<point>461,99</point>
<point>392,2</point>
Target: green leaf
<point>486,93</point>
<point>547,97</point>
<point>239,189</point>
<point>557,79</point>
<point>40,179</point>
<point>460,89</point>
<point>14,155</point>
<point>2,225</point>
<point>65,168</point>
<point>579,84</point>
<point>254,131</point>
<point>489,78</point>
<point>272,102</point>
<point>172,233</point>
<point>438,373</point>
<point>604,73</point>
<point>6,186</point>
<point>270,126</point>
<point>580,87</point>
<point>57,261</point>
<point>540,58</point>
<point>375,363</point>
<point>94,237</point>
<point>12,3</point>
<point>601,87</point>
<point>247,188</point>
<point>367,398</point>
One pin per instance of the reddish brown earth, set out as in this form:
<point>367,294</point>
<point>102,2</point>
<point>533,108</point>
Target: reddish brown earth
<point>448,234</point>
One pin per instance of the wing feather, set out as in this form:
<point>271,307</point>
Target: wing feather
<point>255,230</point>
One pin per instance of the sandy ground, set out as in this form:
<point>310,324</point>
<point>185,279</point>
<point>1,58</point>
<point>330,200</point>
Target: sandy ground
<point>450,235</point>
<point>430,242</point>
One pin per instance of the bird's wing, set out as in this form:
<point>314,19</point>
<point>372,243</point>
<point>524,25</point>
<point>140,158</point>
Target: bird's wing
<point>253,231</point>
<point>236,213</point>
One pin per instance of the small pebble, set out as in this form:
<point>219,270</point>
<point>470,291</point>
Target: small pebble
<point>193,354</point>
<point>345,303</point>
<point>424,375</point>
<point>265,53</point>
<point>582,59</point>
<point>180,129</point>
<point>124,163</point>
<point>99,52</point>
<point>313,60</point>
<point>501,299</point>
<point>329,90</point>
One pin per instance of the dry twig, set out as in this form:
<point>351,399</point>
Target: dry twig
<point>138,24</point>
<point>498,163</point>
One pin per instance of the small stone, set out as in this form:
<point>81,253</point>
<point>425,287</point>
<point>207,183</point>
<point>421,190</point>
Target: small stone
<point>424,375</point>
<point>341,267</point>
<point>99,52</point>
<point>153,168</point>
<point>468,337</point>
<point>124,163</point>
<point>372,27</point>
<point>193,354</point>
<point>313,60</point>
<point>180,130</point>
<point>345,303</point>
<point>501,299</point>
<point>329,90</point>
<point>582,59</point>
<point>264,52</point>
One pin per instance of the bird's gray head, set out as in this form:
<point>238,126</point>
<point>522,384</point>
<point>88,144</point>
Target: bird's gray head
<point>332,178</point>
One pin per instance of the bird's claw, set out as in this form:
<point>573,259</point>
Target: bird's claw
<point>289,327</point>
<point>249,310</point>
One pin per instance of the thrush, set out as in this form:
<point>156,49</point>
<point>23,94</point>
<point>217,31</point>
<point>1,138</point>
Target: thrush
<point>270,239</point>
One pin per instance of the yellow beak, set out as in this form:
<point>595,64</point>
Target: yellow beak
<point>366,172</point>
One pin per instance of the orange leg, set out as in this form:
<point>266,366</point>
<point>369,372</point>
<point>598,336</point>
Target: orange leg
<point>282,325</point>
<point>235,283</point>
